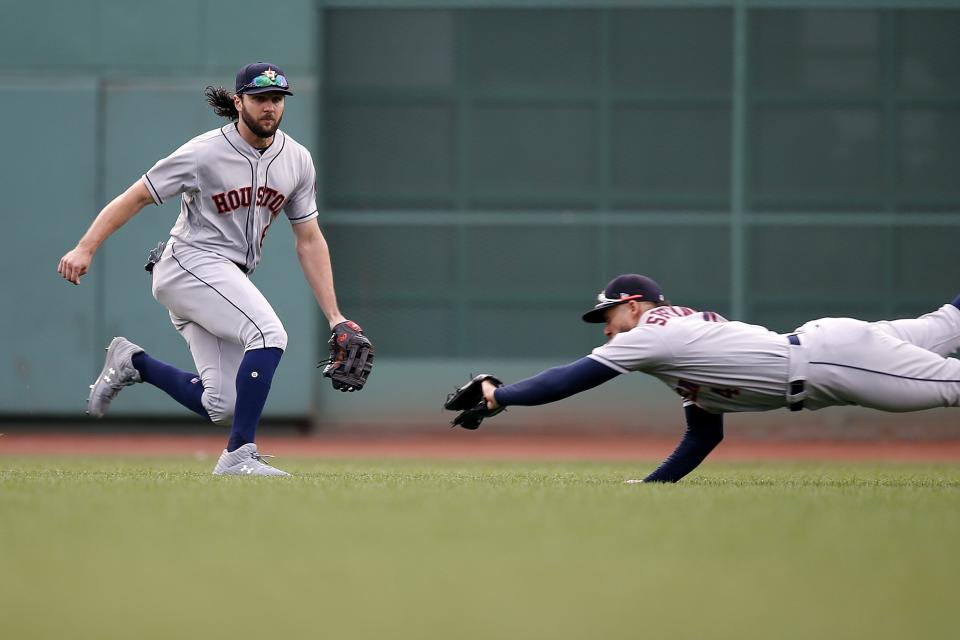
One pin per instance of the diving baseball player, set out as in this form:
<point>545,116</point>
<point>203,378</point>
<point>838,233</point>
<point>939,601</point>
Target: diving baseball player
<point>718,366</point>
<point>233,182</point>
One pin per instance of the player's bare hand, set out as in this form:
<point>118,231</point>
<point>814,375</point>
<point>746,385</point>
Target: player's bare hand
<point>488,389</point>
<point>75,264</point>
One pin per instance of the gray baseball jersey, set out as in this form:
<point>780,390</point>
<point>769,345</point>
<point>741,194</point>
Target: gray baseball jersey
<point>722,366</point>
<point>719,365</point>
<point>230,193</point>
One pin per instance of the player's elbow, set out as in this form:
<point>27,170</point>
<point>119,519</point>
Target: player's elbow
<point>707,442</point>
<point>138,195</point>
<point>308,237</point>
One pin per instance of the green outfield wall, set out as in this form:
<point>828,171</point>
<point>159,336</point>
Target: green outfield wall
<point>483,169</point>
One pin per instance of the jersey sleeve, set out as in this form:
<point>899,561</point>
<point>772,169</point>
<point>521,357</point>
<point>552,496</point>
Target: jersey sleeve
<point>175,174</point>
<point>633,350</point>
<point>302,204</point>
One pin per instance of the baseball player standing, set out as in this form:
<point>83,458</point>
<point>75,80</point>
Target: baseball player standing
<point>233,182</point>
<point>718,366</point>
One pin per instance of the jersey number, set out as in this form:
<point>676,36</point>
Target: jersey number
<point>690,390</point>
<point>263,234</point>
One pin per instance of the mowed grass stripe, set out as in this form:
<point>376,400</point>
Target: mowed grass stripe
<point>111,548</point>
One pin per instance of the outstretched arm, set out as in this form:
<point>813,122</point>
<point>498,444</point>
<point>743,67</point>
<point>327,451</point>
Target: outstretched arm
<point>314,256</point>
<point>550,385</point>
<point>77,261</point>
<point>704,432</point>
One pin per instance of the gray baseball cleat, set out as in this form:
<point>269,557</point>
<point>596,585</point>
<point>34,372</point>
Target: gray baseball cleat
<point>245,461</point>
<point>118,372</point>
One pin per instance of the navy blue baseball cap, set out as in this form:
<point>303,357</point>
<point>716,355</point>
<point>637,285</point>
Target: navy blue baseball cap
<point>262,77</point>
<point>629,286</point>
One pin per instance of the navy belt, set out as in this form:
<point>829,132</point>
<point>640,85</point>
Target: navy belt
<point>242,267</point>
<point>796,386</point>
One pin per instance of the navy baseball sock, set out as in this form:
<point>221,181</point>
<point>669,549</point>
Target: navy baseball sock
<point>253,384</point>
<point>186,388</point>
<point>956,302</point>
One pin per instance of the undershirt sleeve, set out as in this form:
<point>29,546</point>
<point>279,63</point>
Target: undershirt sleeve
<point>555,384</point>
<point>704,433</point>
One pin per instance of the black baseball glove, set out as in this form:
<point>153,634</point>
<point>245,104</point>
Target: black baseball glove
<point>351,357</point>
<point>469,401</point>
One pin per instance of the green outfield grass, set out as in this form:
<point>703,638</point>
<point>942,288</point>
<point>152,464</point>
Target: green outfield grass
<point>111,548</point>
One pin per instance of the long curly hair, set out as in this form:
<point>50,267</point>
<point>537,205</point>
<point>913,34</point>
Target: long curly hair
<point>222,102</point>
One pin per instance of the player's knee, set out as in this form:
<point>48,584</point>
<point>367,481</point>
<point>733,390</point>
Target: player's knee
<point>220,414</point>
<point>219,408</point>
<point>271,335</point>
<point>280,339</point>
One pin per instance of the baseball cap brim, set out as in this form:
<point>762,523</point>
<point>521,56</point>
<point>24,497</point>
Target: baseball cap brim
<point>271,89</point>
<point>598,314</point>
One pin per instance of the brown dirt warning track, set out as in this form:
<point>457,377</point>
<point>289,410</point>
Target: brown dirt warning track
<point>458,445</point>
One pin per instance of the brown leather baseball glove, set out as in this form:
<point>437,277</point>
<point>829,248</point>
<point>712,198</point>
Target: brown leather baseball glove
<point>351,357</point>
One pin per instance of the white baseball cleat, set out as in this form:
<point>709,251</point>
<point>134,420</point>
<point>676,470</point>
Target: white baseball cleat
<point>118,372</point>
<point>245,461</point>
